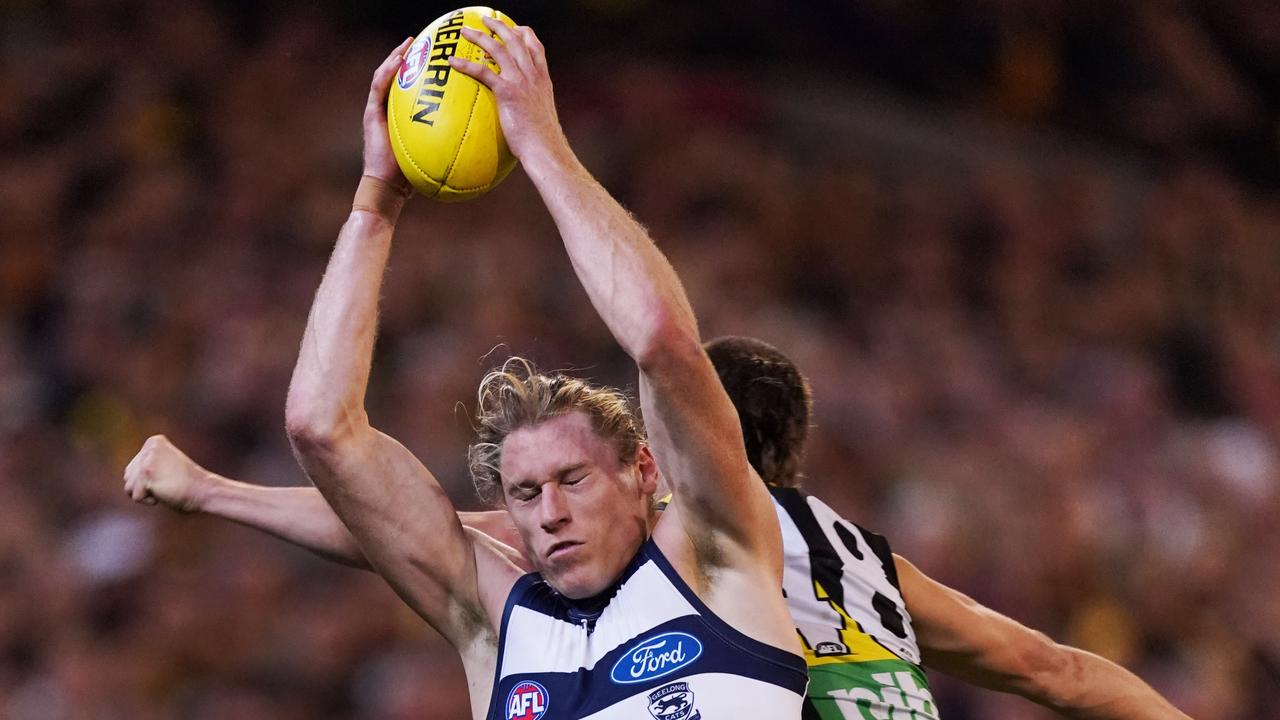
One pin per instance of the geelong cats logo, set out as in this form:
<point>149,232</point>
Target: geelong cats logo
<point>673,702</point>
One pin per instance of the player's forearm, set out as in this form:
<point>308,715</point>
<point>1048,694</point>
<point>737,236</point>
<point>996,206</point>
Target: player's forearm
<point>298,515</point>
<point>1085,686</point>
<point>629,281</point>
<point>326,394</point>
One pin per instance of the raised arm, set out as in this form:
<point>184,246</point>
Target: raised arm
<point>691,422</point>
<point>394,507</point>
<point>978,645</point>
<point>162,474</point>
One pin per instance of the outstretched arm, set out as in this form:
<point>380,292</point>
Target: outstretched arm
<point>978,645</point>
<point>394,507</point>
<point>691,422</point>
<point>162,474</point>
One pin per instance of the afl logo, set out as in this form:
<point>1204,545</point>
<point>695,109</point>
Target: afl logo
<point>825,649</point>
<point>415,59</point>
<point>527,701</point>
<point>655,657</point>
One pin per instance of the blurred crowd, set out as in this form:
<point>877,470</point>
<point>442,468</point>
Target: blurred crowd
<point>1052,379</point>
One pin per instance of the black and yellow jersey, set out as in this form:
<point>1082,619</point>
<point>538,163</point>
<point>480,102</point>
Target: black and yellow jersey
<point>842,590</point>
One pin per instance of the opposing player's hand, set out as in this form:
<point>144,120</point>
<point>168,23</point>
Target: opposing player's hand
<point>379,161</point>
<point>522,86</point>
<point>161,473</point>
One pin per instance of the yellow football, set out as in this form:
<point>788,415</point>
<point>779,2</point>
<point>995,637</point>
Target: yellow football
<point>444,124</point>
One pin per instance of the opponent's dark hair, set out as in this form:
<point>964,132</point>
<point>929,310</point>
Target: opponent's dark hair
<point>773,400</point>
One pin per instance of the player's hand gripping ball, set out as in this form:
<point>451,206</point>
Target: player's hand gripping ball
<point>443,124</point>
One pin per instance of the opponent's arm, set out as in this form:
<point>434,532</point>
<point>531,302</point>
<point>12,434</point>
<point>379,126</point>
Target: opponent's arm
<point>162,474</point>
<point>394,507</point>
<point>978,645</point>
<point>691,422</point>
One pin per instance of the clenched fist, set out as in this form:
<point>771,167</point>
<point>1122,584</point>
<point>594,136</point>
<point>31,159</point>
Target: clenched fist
<point>161,473</point>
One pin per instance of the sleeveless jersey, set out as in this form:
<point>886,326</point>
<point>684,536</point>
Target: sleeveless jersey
<point>842,591</point>
<point>645,649</point>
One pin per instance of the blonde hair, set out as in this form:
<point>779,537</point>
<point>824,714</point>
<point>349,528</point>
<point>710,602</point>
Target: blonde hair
<point>516,395</point>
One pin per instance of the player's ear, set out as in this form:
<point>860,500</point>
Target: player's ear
<point>649,477</point>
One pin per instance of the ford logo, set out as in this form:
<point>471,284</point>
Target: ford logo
<point>657,656</point>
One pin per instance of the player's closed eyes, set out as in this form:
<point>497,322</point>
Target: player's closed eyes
<point>526,494</point>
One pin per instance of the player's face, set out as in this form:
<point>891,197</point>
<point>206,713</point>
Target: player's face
<point>581,511</point>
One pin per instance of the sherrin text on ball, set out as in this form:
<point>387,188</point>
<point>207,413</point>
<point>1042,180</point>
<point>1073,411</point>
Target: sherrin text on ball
<point>443,124</point>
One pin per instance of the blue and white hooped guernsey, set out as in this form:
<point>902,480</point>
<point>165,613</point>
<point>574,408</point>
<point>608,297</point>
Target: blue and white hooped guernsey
<point>647,648</point>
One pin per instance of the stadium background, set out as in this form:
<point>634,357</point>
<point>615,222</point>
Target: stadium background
<point>1026,252</point>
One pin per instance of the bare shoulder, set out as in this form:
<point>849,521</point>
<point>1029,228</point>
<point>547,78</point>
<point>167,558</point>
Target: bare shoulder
<point>497,569</point>
<point>496,574</point>
<point>933,605</point>
<point>746,595</point>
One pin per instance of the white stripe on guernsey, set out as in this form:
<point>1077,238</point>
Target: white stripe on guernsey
<point>816,620</point>
<point>540,643</point>
<point>715,695</point>
<point>862,579</point>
